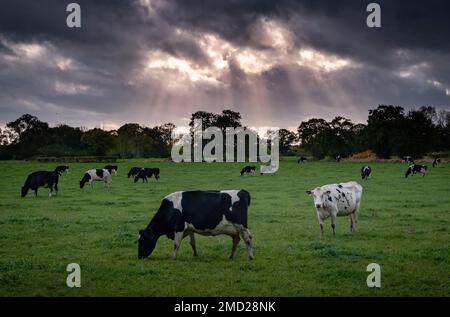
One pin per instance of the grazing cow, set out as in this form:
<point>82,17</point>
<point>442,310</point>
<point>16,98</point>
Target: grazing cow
<point>61,169</point>
<point>134,171</point>
<point>207,213</point>
<point>248,169</point>
<point>302,159</point>
<point>436,162</point>
<point>100,175</point>
<point>338,158</point>
<point>112,169</point>
<point>335,200</point>
<point>41,179</point>
<point>413,169</point>
<point>147,172</point>
<point>408,159</point>
<point>366,171</point>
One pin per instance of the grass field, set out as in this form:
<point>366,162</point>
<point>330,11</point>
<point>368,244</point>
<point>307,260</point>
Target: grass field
<point>403,226</point>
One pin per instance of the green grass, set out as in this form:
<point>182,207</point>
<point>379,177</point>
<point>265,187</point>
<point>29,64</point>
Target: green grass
<point>403,226</point>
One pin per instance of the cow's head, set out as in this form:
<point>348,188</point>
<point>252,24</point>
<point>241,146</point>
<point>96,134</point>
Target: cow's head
<point>24,191</point>
<point>408,172</point>
<point>320,196</point>
<point>146,244</point>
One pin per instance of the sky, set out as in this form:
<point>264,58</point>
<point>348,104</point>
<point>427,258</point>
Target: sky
<point>276,62</point>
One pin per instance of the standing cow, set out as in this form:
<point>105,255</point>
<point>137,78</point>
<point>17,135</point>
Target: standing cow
<point>366,171</point>
<point>338,158</point>
<point>147,172</point>
<point>302,159</point>
<point>436,162</point>
<point>335,200</point>
<point>413,169</point>
<point>248,170</point>
<point>41,179</point>
<point>99,175</point>
<point>208,213</point>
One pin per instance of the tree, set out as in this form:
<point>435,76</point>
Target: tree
<point>28,134</point>
<point>286,138</point>
<point>309,130</point>
<point>98,141</point>
<point>382,125</point>
<point>127,139</point>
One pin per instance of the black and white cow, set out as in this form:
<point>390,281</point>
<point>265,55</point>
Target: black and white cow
<point>335,200</point>
<point>209,213</point>
<point>112,169</point>
<point>41,179</point>
<point>436,162</point>
<point>248,170</point>
<point>302,159</point>
<point>134,171</point>
<point>338,158</point>
<point>408,159</point>
<point>413,169</point>
<point>147,172</point>
<point>366,171</point>
<point>99,175</point>
<point>61,169</point>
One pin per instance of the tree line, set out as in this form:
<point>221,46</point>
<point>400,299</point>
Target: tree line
<point>389,131</point>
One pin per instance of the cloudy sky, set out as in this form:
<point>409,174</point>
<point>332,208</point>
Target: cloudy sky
<point>276,62</point>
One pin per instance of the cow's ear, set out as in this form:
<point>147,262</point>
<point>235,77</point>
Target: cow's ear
<point>141,232</point>
<point>308,192</point>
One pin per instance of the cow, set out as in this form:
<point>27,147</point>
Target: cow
<point>61,169</point>
<point>336,200</point>
<point>302,159</point>
<point>112,169</point>
<point>408,159</point>
<point>248,170</point>
<point>413,169</point>
<point>41,179</point>
<point>208,213</point>
<point>366,171</point>
<point>96,175</point>
<point>134,171</point>
<point>436,162</point>
<point>147,172</point>
<point>338,158</point>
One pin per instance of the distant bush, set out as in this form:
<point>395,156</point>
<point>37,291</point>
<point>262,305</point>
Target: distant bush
<point>366,155</point>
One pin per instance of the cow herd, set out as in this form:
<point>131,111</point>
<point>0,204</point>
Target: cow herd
<point>211,213</point>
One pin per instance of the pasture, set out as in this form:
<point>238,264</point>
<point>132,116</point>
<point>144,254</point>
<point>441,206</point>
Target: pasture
<point>403,226</point>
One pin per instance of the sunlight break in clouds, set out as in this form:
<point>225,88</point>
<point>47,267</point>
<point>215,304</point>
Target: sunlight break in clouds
<point>277,50</point>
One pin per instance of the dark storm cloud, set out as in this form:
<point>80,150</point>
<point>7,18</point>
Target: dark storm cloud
<point>96,74</point>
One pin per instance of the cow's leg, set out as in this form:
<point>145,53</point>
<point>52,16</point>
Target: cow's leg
<point>333,222</point>
<point>192,243</point>
<point>49,191</point>
<point>355,216</point>
<point>56,188</point>
<point>236,240</point>
<point>321,224</point>
<point>35,192</point>
<point>352,222</point>
<point>247,237</point>
<point>177,242</point>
